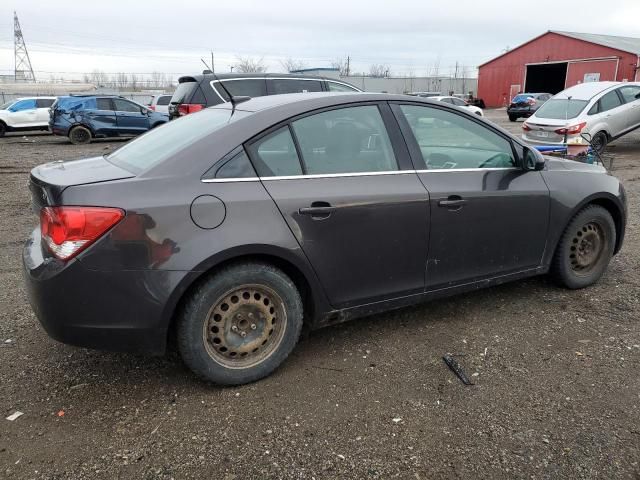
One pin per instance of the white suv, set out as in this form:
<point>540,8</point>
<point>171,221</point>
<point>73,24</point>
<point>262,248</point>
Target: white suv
<point>604,110</point>
<point>29,113</point>
<point>160,103</point>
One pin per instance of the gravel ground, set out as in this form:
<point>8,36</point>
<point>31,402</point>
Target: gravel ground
<point>556,391</point>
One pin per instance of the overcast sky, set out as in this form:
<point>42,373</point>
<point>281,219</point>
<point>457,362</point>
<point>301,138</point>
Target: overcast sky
<point>66,38</point>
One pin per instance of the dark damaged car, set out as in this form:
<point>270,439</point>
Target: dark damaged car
<point>231,229</point>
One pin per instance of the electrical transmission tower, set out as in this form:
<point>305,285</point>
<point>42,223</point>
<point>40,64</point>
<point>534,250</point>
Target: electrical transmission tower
<point>24,70</point>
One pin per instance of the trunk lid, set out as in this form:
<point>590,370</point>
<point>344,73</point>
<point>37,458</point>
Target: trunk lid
<point>47,181</point>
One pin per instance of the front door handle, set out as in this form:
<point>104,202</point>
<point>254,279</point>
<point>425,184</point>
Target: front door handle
<point>454,202</point>
<point>318,210</point>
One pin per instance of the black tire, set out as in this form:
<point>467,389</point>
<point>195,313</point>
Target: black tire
<point>585,248</point>
<point>599,141</point>
<point>80,135</point>
<point>513,118</point>
<point>3,129</point>
<point>240,324</point>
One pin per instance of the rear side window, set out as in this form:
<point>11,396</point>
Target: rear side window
<point>290,85</point>
<point>250,87</point>
<point>44,102</point>
<point>104,104</point>
<point>609,101</point>
<point>345,140</point>
<point>159,144</point>
<point>238,167</point>
<point>340,87</point>
<point>164,100</point>
<point>275,155</point>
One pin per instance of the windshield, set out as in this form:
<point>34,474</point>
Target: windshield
<point>183,90</point>
<point>561,109</point>
<point>160,143</point>
<point>6,105</point>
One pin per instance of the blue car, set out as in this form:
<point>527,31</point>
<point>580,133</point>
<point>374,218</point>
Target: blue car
<point>83,118</point>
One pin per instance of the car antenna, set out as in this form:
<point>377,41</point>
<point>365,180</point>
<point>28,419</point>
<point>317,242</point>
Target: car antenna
<point>234,100</point>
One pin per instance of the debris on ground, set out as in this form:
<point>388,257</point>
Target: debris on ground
<point>14,416</point>
<point>453,364</point>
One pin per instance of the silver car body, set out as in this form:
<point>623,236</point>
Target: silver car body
<point>458,102</point>
<point>616,115</point>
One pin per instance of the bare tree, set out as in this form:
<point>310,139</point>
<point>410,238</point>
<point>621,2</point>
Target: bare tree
<point>158,80</point>
<point>342,64</point>
<point>122,80</point>
<point>379,70</point>
<point>99,78</point>
<point>290,64</point>
<point>133,81</point>
<point>250,65</point>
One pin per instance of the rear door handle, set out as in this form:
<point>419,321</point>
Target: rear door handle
<point>318,210</point>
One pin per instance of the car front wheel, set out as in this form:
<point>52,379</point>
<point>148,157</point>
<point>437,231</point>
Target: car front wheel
<point>240,324</point>
<point>80,135</point>
<point>585,248</point>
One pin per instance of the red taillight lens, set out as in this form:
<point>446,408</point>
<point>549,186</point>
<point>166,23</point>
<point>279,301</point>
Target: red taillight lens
<point>526,127</point>
<point>572,130</point>
<point>187,108</point>
<point>152,107</point>
<point>69,230</point>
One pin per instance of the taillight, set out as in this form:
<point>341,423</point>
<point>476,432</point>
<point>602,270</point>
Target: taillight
<point>526,127</point>
<point>69,230</point>
<point>151,107</point>
<point>187,108</point>
<point>572,130</point>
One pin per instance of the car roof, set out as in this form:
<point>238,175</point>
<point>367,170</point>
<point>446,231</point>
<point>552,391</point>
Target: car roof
<point>32,98</point>
<point>224,76</point>
<point>586,91</point>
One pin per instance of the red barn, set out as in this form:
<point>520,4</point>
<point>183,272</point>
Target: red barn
<point>557,60</point>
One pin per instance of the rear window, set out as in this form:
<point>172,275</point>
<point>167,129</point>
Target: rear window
<point>183,92</point>
<point>521,98</point>
<point>164,100</point>
<point>558,109</point>
<point>160,143</point>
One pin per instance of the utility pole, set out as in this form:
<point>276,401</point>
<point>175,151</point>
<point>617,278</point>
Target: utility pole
<point>213,67</point>
<point>348,65</point>
<point>23,69</point>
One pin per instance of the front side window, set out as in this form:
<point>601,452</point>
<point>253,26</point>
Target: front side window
<point>345,140</point>
<point>340,87</point>
<point>457,102</point>
<point>125,106</point>
<point>23,105</point>
<point>609,101</point>
<point>630,93</point>
<point>451,141</point>
<point>275,155</point>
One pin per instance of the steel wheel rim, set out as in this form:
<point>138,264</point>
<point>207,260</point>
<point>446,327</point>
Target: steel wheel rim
<point>587,247</point>
<point>598,142</point>
<point>245,326</point>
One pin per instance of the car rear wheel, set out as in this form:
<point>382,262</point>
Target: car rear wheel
<point>513,118</point>
<point>585,249</point>
<point>80,135</point>
<point>599,141</point>
<point>240,324</point>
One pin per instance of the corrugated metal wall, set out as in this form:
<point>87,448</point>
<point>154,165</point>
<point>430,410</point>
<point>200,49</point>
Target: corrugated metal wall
<point>496,77</point>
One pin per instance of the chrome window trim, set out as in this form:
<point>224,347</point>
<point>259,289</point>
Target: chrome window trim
<point>355,174</point>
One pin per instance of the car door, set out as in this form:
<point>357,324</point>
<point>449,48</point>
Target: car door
<point>100,115</point>
<point>611,112</point>
<point>42,110</point>
<point>352,199</point>
<point>23,113</point>
<point>131,118</point>
<point>488,217</point>
<point>631,97</point>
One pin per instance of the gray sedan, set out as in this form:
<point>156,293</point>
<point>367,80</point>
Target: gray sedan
<point>232,228</point>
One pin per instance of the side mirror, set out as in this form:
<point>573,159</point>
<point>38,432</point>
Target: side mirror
<point>532,159</point>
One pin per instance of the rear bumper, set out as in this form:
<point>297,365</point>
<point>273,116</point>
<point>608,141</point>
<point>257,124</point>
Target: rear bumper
<point>116,310</point>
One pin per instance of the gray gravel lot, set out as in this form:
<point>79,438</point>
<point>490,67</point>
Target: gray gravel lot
<point>557,389</point>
